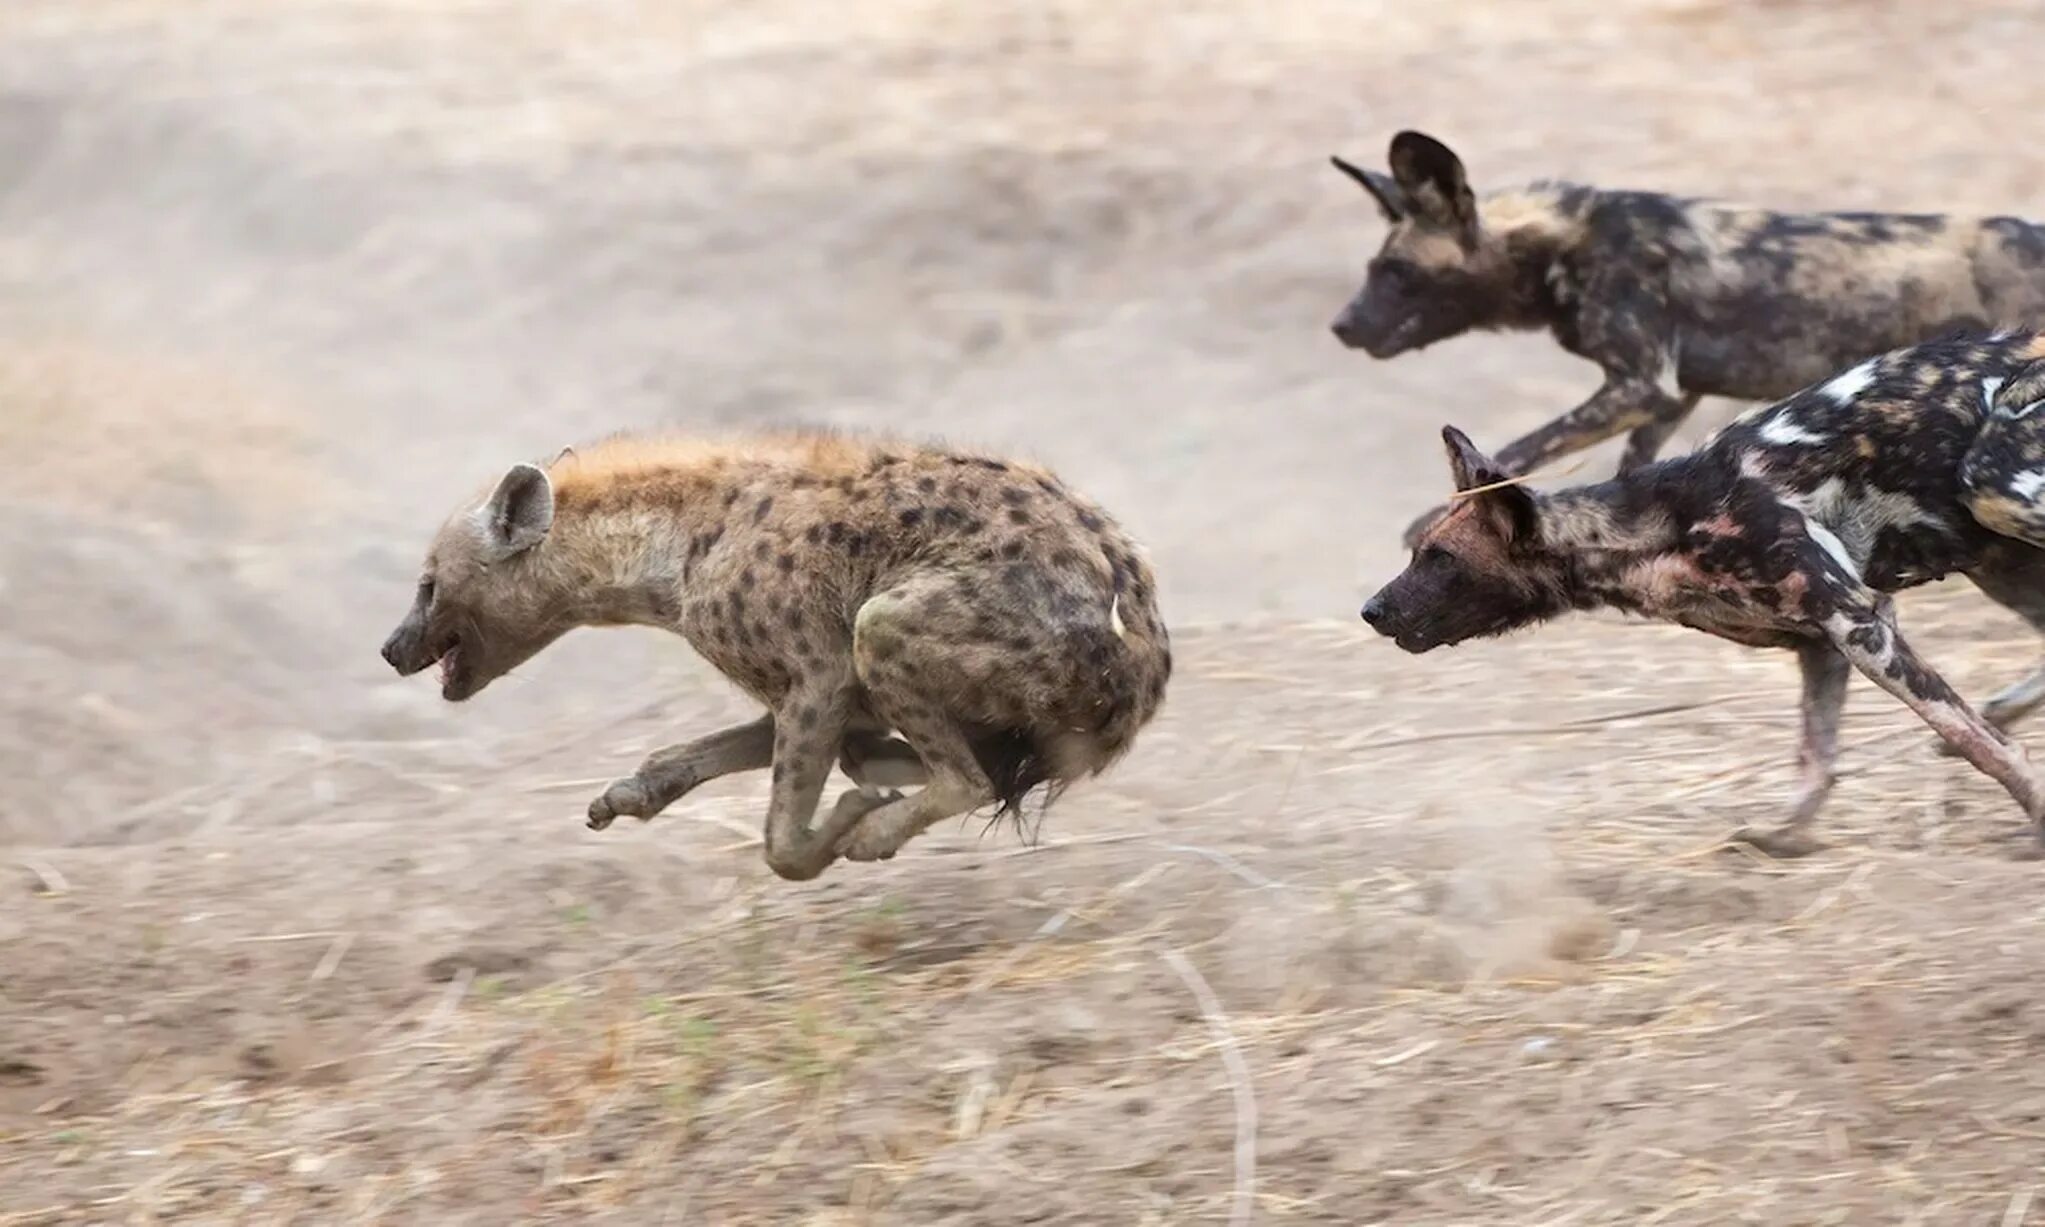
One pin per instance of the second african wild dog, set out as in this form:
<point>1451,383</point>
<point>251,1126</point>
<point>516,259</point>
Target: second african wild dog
<point>1674,298</point>
<point>1002,625</point>
<point>1788,529</point>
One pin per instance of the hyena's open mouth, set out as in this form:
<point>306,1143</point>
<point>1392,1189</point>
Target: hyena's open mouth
<point>453,679</point>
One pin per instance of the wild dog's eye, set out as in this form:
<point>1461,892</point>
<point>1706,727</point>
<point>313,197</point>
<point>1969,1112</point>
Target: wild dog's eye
<point>1396,271</point>
<point>1434,553</point>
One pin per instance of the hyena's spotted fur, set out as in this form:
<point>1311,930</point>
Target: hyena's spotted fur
<point>919,616</point>
<point>1675,298</point>
<point>1788,529</point>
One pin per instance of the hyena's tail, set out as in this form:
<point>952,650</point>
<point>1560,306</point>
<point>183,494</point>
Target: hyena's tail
<point>1118,669</point>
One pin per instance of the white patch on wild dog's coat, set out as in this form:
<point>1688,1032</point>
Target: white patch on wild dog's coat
<point>1843,388</point>
<point>1115,622</point>
<point>1782,431</point>
<point>2026,485</point>
<point>1856,517</point>
<point>1829,542</point>
<point>1989,387</point>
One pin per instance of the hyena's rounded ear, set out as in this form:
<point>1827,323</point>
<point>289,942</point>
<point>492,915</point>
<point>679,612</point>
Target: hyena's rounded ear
<point>1432,179</point>
<point>1382,188</point>
<point>1470,467</point>
<point>520,512</point>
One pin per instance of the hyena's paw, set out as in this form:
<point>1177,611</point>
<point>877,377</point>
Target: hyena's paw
<point>865,841</point>
<point>626,797</point>
<point>1418,528</point>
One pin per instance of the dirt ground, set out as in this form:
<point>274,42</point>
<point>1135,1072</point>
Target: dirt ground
<point>1351,938</point>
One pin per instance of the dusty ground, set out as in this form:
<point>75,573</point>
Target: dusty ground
<point>1451,940</point>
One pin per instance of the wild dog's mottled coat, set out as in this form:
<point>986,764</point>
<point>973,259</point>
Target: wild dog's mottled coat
<point>1788,529</point>
<point>1676,298</point>
<point>1002,625</point>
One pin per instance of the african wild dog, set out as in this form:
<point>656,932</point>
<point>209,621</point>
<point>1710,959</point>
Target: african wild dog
<point>1675,298</point>
<point>997,621</point>
<point>1788,529</point>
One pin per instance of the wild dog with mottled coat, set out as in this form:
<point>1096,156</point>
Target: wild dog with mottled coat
<point>1788,529</point>
<point>1675,298</point>
<point>1000,624</point>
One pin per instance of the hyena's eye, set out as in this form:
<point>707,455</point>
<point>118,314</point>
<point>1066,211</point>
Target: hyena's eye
<point>1434,553</point>
<point>426,590</point>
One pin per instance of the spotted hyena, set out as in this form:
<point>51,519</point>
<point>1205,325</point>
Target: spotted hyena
<point>1788,529</point>
<point>1674,298</point>
<point>921,617</point>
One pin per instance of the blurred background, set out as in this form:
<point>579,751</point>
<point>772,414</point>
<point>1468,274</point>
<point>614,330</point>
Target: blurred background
<point>285,939</point>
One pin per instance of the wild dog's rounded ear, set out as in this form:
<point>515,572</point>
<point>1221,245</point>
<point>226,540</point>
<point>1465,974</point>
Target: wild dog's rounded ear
<point>1470,467</point>
<point>1508,506</point>
<point>1391,202</point>
<point>1432,179</point>
<point>520,512</point>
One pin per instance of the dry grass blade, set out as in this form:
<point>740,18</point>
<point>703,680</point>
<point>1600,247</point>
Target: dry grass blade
<point>1245,1192</point>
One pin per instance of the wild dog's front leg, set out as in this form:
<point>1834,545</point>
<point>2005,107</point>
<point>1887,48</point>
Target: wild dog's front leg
<point>667,775</point>
<point>1824,674</point>
<point>1865,633</point>
<point>1645,443</point>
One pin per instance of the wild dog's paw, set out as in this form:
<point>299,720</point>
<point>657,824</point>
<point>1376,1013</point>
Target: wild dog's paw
<point>626,797</point>
<point>1418,528</point>
<point>1786,843</point>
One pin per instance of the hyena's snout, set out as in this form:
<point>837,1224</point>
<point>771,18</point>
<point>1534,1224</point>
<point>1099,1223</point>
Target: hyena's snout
<point>405,649</point>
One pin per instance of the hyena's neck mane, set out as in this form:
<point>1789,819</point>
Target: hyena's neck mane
<point>635,515</point>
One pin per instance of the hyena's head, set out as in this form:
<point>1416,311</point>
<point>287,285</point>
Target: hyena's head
<point>487,598</point>
<point>1439,272</point>
<point>1479,570</point>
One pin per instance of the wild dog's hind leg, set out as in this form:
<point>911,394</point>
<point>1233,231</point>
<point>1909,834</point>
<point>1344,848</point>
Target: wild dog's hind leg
<point>1824,675</point>
<point>667,775</point>
<point>2013,576</point>
<point>1863,628</point>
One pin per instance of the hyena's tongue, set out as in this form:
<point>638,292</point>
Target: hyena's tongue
<point>447,664</point>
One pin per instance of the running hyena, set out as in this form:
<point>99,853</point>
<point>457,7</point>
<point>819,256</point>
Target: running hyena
<point>1674,297</point>
<point>999,623</point>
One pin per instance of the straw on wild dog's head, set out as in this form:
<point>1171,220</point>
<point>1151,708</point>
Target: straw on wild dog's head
<point>1515,481</point>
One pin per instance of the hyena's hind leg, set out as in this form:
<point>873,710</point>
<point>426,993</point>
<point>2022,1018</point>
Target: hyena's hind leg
<point>912,669</point>
<point>2013,576</point>
<point>878,763</point>
<point>1825,673</point>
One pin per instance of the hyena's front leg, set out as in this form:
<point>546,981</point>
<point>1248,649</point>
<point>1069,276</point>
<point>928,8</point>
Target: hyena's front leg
<point>810,733</point>
<point>667,775</point>
<point>1864,631</point>
<point>1824,675</point>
